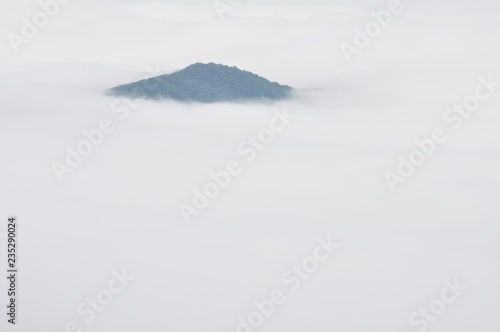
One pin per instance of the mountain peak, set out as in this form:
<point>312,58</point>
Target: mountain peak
<point>206,83</point>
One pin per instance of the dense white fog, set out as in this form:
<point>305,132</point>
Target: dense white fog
<point>323,175</point>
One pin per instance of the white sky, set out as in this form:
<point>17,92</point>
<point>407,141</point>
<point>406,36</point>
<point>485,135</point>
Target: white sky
<point>291,33</point>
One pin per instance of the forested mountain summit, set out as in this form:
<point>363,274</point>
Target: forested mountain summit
<point>205,83</point>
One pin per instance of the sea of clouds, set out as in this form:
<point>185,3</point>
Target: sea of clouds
<point>323,175</point>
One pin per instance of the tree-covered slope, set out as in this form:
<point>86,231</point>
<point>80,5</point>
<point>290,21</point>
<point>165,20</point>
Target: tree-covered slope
<point>205,83</point>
